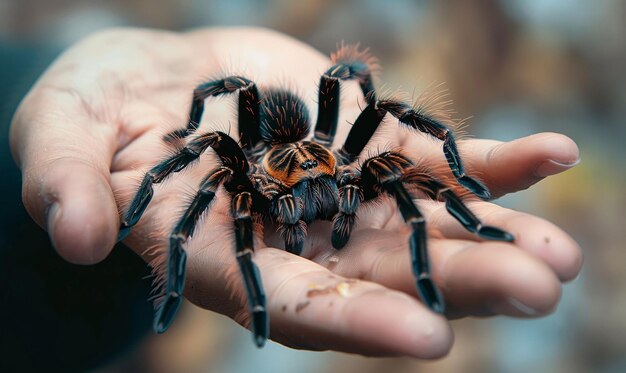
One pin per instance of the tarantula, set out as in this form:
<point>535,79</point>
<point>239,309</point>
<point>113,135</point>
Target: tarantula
<point>274,173</point>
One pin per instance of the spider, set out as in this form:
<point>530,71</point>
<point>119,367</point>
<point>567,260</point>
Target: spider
<point>274,173</point>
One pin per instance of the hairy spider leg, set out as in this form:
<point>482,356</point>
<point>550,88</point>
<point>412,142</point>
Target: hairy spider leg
<point>360,134</point>
<point>382,174</point>
<point>288,212</point>
<point>428,292</point>
<point>454,205</point>
<point>174,163</point>
<point>176,256</point>
<point>349,64</point>
<point>370,118</point>
<point>242,213</point>
<point>350,198</point>
<point>233,174</point>
<point>248,108</point>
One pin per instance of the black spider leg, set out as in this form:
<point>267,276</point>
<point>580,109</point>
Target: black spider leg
<point>360,134</point>
<point>382,174</point>
<point>417,120</point>
<point>350,198</point>
<point>288,211</point>
<point>234,175</point>
<point>248,107</point>
<point>190,153</point>
<point>369,119</point>
<point>329,95</point>
<point>428,292</point>
<point>177,258</point>
<point>242,213</point>
<point>455,206</point>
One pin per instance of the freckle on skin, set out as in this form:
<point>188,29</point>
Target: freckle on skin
<point>284,308</point>
<point>546,239</point>
<point>301,306</point>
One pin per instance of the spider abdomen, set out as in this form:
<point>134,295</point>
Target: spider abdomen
<point>284,117</point>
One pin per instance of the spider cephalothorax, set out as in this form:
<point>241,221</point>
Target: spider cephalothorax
<point>276,174</point>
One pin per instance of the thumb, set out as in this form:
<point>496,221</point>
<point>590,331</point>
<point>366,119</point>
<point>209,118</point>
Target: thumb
<point>65,156</point>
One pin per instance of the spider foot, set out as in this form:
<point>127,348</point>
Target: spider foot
<point>260,325</point>
<point>173,296</point>
<point>493,233</point>
<point>429,294</point>
<point>294,247</point>
<point>294,234</point>
<point>124,232</point>
<point>466,217</point>
<point>167,311</point>
<point>475,187</point>
<point>342,226</point>
<point>339,240</point>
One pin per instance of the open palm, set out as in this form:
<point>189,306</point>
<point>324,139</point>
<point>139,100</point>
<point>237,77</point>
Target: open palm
<point>92,125</point>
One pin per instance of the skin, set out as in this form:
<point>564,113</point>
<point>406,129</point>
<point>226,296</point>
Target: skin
<point>91,126</point>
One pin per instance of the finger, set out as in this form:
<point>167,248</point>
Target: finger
<point>64,155</point>
<point>312,308</point>
<point>495,278</point>
<point>537,236</point>
<point>516,165</point>
<point>507,167</point>
<point>476,278</point>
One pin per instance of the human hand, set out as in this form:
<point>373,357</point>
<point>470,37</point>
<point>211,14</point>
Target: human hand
<point>92,125</point>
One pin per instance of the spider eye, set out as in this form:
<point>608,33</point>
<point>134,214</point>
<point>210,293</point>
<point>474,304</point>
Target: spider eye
<point>308,164</point>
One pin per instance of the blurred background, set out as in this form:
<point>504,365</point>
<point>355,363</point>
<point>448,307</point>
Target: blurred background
<point>515,67</point>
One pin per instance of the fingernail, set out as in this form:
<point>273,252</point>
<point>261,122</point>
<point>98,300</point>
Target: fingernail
<point>512,306</point>
<point>518,305</point>
<point>52,215</point>
<point>551,167</point>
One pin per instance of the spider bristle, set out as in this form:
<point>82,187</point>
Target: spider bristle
<point>124,196</point>
<point>351,53</point>
<point>415,179</point>
<point>435,102</point>
<point>374,205</point>
<point>157,261</point>
<point>176,138</point>
<point>386,93</point>
<point>205,243</point>
<point>233,283</point>
<point>441,172</point>
<point>258,227</point>
<point>286,84</point>
<point>387,147</point>
<point>397,149</point>
<point>173,148</point>
<point>227,68</point>
<point>461,129</point>
<point>221,126</point>
<point>188,193</point>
